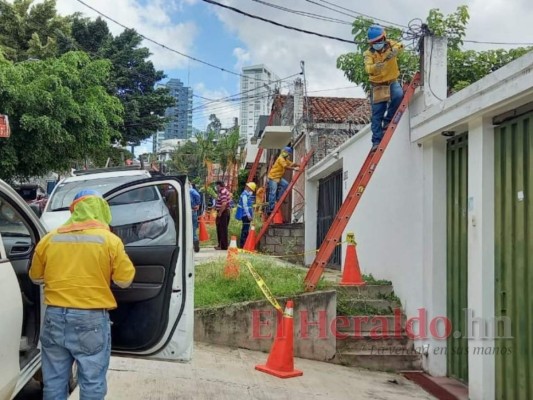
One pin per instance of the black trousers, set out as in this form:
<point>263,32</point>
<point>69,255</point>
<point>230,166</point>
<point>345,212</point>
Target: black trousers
<point>222,223</point>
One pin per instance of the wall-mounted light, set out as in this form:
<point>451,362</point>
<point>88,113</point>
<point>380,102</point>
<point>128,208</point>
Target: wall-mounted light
<point>448,133</point>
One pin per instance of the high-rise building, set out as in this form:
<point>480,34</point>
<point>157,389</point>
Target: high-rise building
<point>180,115</point>
<point>257,87</point>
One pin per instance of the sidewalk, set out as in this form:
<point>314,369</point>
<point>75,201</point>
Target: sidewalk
<point>224,373</point>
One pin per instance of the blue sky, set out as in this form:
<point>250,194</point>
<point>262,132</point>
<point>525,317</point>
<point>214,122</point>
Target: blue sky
<point>230,40</point>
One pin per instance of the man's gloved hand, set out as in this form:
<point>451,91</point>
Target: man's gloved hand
<point>379,66</point>
<point>394,52</point>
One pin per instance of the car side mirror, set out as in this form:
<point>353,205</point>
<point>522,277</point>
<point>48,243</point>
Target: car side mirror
<point>36,209</point>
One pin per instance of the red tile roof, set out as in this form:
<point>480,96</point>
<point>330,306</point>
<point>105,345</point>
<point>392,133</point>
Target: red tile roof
<point>332,109</point>
<point>339,110</point>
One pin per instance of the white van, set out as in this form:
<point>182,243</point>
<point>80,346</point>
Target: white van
<point>154,318</point>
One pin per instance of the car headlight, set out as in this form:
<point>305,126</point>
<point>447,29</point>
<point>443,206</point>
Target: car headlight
<point>152,229</point>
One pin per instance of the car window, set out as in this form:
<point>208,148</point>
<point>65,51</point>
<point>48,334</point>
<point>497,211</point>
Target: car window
<point>144,217</point>
<point>27,194</point>
<point>16,236</point>
<point>65,191</point>
<point>136,196</point>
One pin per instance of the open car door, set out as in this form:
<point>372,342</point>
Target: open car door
<point>20,299</point>
<point>155,314</point>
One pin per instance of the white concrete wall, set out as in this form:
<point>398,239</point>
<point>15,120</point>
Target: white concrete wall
<point>388,220</point>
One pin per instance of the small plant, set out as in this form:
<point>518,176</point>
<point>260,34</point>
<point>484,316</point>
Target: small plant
<point>370,280</point>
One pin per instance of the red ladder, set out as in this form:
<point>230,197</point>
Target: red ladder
<point>344,214</point>
<point>293,181</point>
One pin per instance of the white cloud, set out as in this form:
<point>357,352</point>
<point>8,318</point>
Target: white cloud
<point>225,110</point>
<point>282,50</point>
<point>243,58</point>
<point>152,20</point>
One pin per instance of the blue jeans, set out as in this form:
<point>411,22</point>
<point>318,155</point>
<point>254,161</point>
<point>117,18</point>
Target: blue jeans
<point>379,119</point>
<point>70,335</point>
<point>195,225</point>
<point>273,193</point>
<point>245,230</point>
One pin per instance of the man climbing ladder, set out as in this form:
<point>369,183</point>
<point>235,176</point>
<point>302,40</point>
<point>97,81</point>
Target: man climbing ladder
<point>276,183</point>
<point>347,209</point>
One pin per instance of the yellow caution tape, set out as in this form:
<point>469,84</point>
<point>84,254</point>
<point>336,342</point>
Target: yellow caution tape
<point>264,288</point>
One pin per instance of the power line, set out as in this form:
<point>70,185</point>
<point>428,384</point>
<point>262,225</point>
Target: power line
<point>353,12</point>
<point>498,43</point>
<point>164,46</point>
<point>304,13</point>
<point>277,23</point>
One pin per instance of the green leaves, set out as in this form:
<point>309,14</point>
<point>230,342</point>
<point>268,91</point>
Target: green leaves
<point>464,67</point>
<point>60,113</point>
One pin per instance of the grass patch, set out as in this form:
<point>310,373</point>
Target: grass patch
<point>370,280</point>
<point>211,288</point>
<point>346,307</point>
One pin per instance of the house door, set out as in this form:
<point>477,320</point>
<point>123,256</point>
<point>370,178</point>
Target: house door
<point>329,203</point>
<point>514,258</point>
<point>457,245</point>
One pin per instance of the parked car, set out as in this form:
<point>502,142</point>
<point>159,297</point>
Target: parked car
<point>140,216</point>
<point>33,193</point>
<point>154,318</point>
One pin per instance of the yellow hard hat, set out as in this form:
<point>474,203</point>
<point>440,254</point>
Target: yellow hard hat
<point>252,186</point>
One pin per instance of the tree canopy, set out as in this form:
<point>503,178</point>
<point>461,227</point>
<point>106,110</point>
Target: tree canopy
<point>464,66</point>
<point>72,89</point>
<point>60,112</point>
<point>132,79</point>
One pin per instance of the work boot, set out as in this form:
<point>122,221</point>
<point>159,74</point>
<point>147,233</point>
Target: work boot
<point>374,147</point>
<point>196,245</point>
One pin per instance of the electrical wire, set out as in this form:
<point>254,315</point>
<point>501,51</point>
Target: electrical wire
<point>304,13</point>
<point>277,23</point>
<point>148,39</point>
<point>353,12</point>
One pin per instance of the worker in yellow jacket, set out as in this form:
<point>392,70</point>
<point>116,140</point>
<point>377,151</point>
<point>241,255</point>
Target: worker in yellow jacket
<point>381,65</point>
<point>276,183</point>
<point>77,263</point>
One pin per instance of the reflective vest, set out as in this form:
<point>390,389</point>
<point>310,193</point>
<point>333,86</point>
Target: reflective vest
<point>245,200</point>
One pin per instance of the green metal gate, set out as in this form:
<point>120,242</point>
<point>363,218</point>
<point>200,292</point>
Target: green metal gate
<point>514,257</point>
<point>457,245</point>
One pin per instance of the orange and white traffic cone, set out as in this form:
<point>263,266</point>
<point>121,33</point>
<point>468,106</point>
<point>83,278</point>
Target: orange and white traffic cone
<point>249,245</point>
<point>280,362</point>
<point>351,275</point>
<point>231,269</point>
<point>203,235</point>
<point>278,218</point>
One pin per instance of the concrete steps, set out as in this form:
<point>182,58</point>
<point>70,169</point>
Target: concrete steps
<point>373,338</point>
<point>386,361</point>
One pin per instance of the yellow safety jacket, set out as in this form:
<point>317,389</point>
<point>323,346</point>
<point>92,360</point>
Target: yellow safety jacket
<point>278,169</point>
<point>390,70</point>
<point>78,261</point>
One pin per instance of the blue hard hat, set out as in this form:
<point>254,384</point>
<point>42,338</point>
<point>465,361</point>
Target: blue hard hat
<point>375,33</point>
<point>288,149</point>
<point>86,192</point>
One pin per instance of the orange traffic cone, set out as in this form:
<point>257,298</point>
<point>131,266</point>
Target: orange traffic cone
<point>351,275</point>
<point>204,235</point>
<point>249,245</point>
<point>278,218</point>
<point>280,361</point>
<point>231,269</point>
